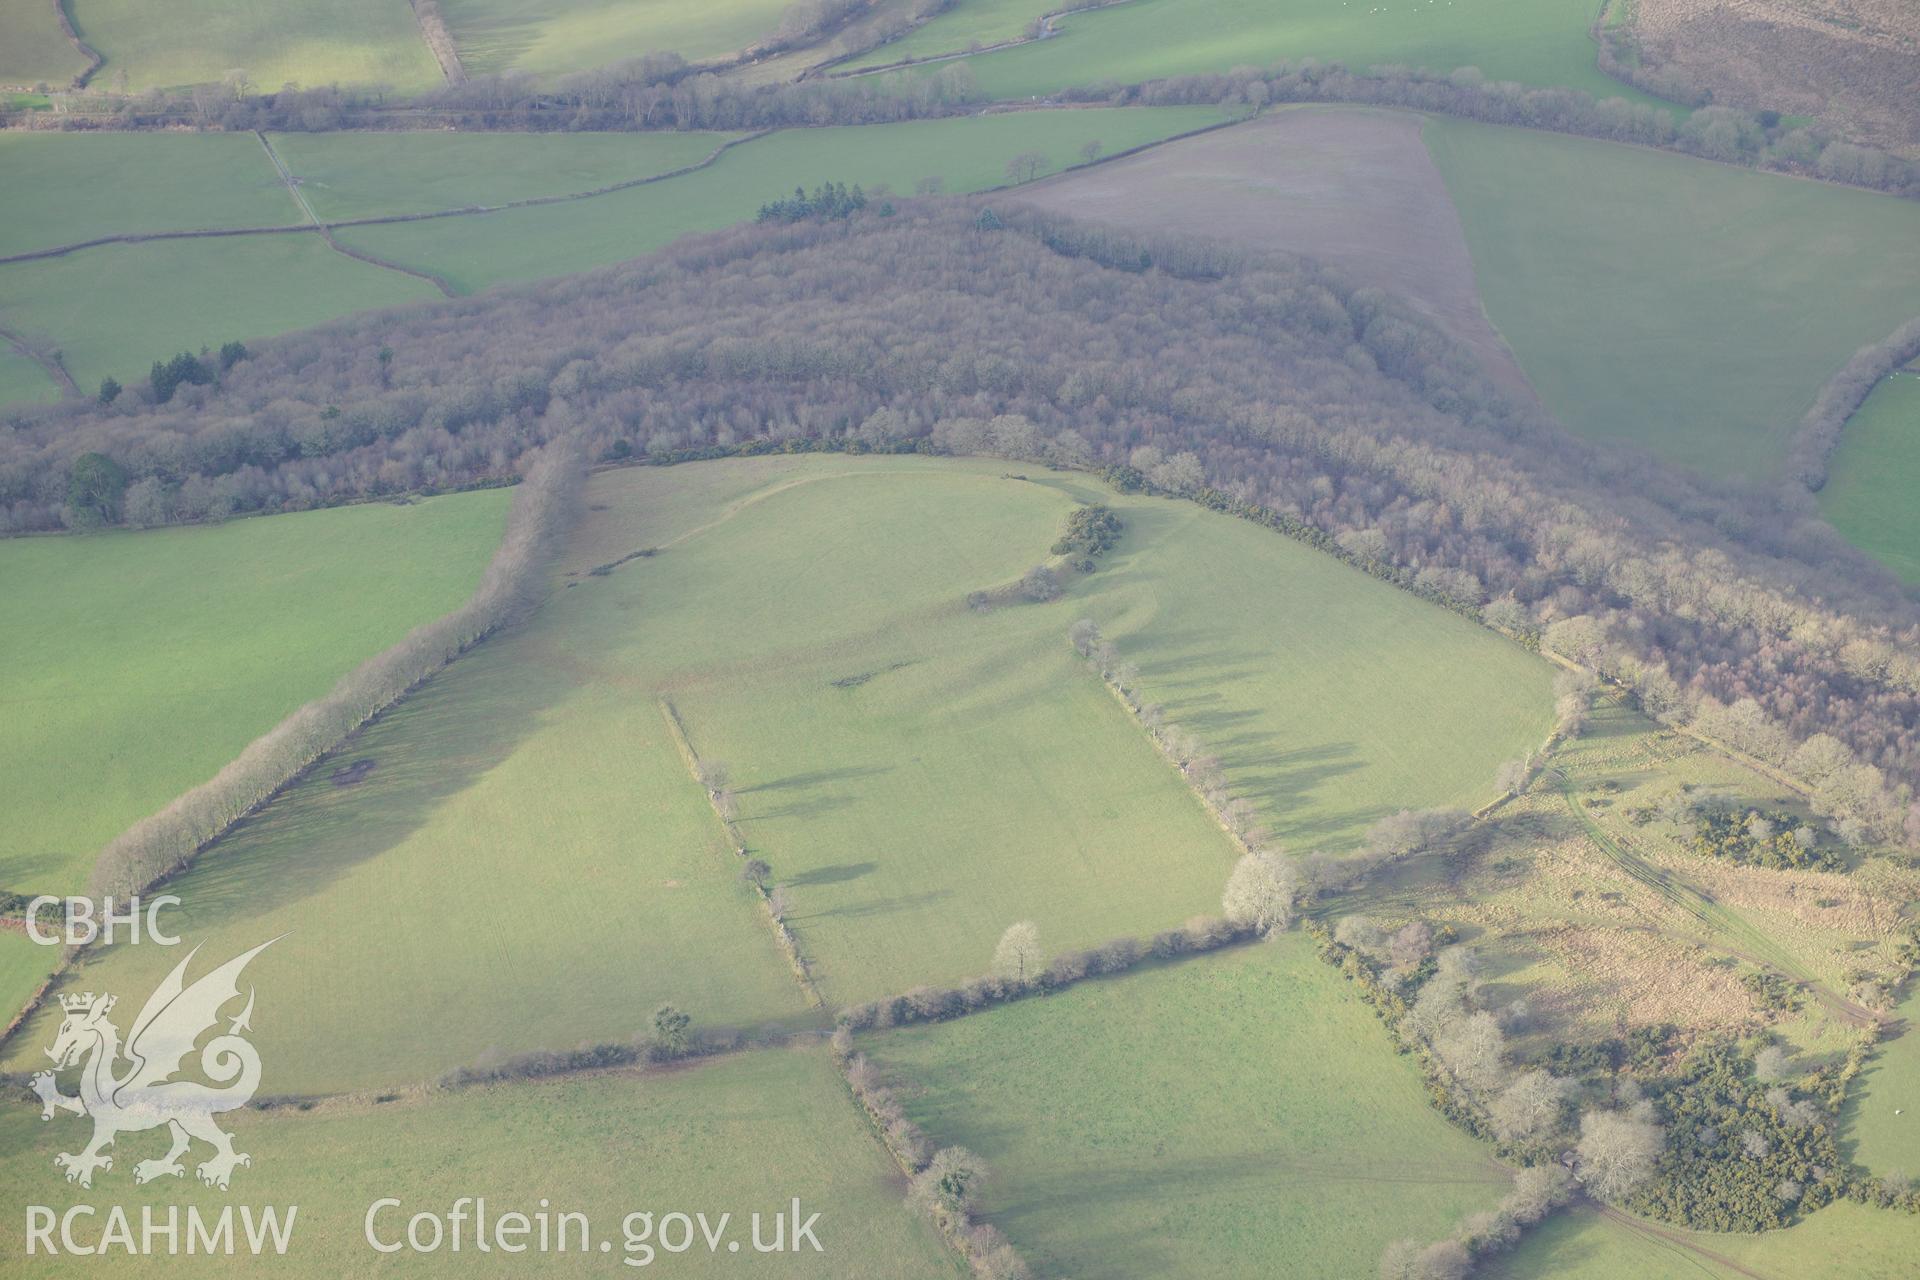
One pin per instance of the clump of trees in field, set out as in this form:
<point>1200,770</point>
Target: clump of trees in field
<point>1091,532</point>
<point>828,201</point>
<point>1278,394</point>
<point>1759,838</point>
<point>513,582</point>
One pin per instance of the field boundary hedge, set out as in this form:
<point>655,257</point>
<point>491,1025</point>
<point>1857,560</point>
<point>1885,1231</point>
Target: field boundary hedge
<point>323,225</point>
<point>1819,432</point>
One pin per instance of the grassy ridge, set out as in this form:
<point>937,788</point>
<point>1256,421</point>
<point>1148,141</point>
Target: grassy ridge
<point>360,175</point>
<point>1237,1114</point>
<point>316,42</point>
<point>968,154</point>
<point>121,183</point>
<point>742,1135</point>
<point>920,777</point>
<point>497,36</point>
<point>1875,472</point>
<point>143,662</point>
<point>1332,699</point>
<point>1538,42</point>
<point>1687,307</point>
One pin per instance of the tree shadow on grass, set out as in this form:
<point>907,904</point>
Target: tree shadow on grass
<point>798,809</point>
<point>817,778</point>
<point>833,875</point>
<point>876,907</point>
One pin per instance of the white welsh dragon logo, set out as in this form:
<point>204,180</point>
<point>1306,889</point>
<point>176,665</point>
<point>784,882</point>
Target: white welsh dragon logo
<point>144,1097</point>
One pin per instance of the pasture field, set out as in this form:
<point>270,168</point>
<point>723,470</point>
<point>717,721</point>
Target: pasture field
<point>919,776</point>
<point>362,174</point>
<point>24,965</point>
<point>1882,1120</point>
<point>118,308</point>
<point>740,1135</point>
<point>968,154</point>
<point>1690,308</point>
<point>121,183</point>
<point>33,49</point>
<point>1875,473</point>
<point>1538,42</point>
<point>1239,1113</point>
<point>1331,698</point>
<point>961,27</point>
<point>541,771</point>
<point>524,864</point>
<point>314,43</point>
<point>496,37</point>
<point>140,663</point>
<point>1843,1241</point>
<point>24,379</point>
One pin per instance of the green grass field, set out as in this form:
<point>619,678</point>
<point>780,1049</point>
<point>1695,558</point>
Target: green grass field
<point>1687,307</point>
<point>1331,698</point>
<point>33,49</point>
<point>24,965</point>
<point>968,154</point>
<point>311,44</point>
<point>1882,1120</point>
<point>539,778</point>
<point>161,291</point>
<point>142,662</point>
<point>1874,474</point>
<point>1844,1241</point>
<point>498,36</point>
<point>23,379</point>
<point>1540,42</point>
<point>1236,1114</point>
<point>119,183</point>
<point>962,26</point>
<point>117,309</point>
<point>976,774</point>
<point>527,864</point>
<point>359,175</point>
<point>741,1135</point>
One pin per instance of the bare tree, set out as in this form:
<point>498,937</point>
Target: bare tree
<point>1026,166</point>
<point>1018,955</point>
<point>1617,1151</point>
<point>1260,892</point>
<point>1532,1106</point>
